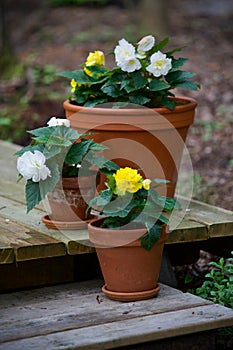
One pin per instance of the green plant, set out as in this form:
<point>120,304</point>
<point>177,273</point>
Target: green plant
<point>218,286</point>
<point>143,76</point>
<point>130,200</point>
<point>210,127</point>
<point>9,117</point>
<point>44,75</point>
<point>57,150</point>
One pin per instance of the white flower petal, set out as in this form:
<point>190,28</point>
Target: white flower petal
<point>124,50</point>
<point>160,64</point>
<point>58,121</point>
<point>32,166</point>
<point>146,43</point>
<point>130,65</point>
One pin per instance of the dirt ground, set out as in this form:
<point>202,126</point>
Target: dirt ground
<point>63,36</point>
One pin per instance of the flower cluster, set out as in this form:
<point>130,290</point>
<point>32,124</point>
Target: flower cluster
<point>129,180</point>
<point>131,199</point>
<point>144,75</point>
<point>57,151</point>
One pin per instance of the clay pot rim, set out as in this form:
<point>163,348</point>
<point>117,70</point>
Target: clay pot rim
<point>190,104</point>
<point>114,239</point>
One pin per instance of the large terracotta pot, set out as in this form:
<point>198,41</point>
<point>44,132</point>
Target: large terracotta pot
<point>68,201</point>
<point>130,272</point>
<point>149,139</point>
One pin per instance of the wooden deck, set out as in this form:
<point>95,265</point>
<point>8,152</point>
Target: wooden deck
<point>79,316</point>
<point>27,245</point>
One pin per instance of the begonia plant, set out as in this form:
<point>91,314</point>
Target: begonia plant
<point>144,75</point>
<point>129,199</point>
<point>57,151</point>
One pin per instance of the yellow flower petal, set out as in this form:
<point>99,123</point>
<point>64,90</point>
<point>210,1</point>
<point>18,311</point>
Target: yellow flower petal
<point>146,184</point>
<point>127,180</point>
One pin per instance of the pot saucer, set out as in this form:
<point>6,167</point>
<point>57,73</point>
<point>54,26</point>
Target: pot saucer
<point>132,296</point>
<point>64,225</point>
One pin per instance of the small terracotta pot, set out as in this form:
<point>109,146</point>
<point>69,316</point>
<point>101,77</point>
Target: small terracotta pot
<point>148,139</point>
<point>68,201</point>
<point>127,269</point>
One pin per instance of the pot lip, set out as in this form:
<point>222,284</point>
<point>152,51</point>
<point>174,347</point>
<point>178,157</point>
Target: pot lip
<point>106,238</point>
<point>190,103</point>
<point>98,229</point>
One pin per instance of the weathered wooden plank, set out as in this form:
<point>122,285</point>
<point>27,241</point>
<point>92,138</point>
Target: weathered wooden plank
<point>130,331</point>
<point>7,255</point>
<point>75,240</point>
<point>201,222</point>
<point>29,244</point>
<point>218,221</point>
<point>85,302</point>
<point>188,231</point>
<point>8,160</point>
<point>63,291</point>
<point>9,174</point>
<point>84,310</point>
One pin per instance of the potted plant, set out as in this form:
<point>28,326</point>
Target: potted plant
<point>130,233</point>
<point>134,103</point>
<point>61,163</point>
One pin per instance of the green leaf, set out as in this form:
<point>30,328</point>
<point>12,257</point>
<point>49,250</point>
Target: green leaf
<point>102,162</point>
<point>158,85</point>
<point>33,195</point>
<point>136,82</point>
<point>49,184</point>
<point>121,207</point>
<point>138,99</point>
<point>189,85</point>
<point>160,45</point>
<point>30,148</point>
<point>112,90</point>
<point>178,49</point>
<point>96,102</point>
<point>36,191</point>
<point>103,199</point>
<point>179,76</point>
<point>78,151</point>
<point>164,202</point>
<point>177,63</point>
<point>151,237</point>
<point>168,102</point>
<point>55,135</point>
<point>82,78</point>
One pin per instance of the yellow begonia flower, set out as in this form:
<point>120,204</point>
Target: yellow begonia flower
<point>127,180</point>
<point>146,184</point>
<point>94,59</point>
<point>73,83</point>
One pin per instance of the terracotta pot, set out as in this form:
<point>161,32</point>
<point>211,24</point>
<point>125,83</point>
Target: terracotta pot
<point>148,139</point>
<point>130,272</point>
<point>68,201</point>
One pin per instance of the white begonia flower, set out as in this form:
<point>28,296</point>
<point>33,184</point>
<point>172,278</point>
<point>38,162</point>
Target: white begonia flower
<point>32,166</point>
<point>124,50</point>
<point>58,121</point>
<point>130,65</point>
<point>160,64</point>
<point>145,44</point>
<point>125,56</point>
